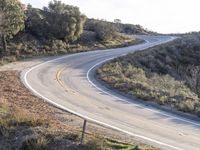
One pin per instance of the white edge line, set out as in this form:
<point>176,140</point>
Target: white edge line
<point>163,113</point>
<point>83,116</point>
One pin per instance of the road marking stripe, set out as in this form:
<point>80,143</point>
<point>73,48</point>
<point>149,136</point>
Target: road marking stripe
<point>93,120</point>
<point>83,116</point>
<point>59,80</point>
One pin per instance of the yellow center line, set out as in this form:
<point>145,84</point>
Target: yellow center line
<point>58,78</point>
<point>68,89</point>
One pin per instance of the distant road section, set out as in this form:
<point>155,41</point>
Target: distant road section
<point>68,82</point>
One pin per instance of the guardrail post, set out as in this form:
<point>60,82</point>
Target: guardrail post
<point>83,131</point>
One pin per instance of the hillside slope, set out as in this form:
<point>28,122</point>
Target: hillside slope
<point>168,74</point>
<point>42,37</point>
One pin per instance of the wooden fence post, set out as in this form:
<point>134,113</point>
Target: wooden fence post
<point>83,131</point>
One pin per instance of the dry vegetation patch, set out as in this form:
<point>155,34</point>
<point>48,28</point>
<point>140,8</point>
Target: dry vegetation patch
<point>27,122</point>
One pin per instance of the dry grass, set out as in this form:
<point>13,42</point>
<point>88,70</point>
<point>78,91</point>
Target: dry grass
<point>35,144</point>
<point>26,117</point>
<point>27,131</point>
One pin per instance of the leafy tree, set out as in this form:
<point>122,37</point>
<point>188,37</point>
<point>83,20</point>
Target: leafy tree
<point>105,31</point>
<point>57,21</point>
<point>65,21</point>
<point>11,20</point>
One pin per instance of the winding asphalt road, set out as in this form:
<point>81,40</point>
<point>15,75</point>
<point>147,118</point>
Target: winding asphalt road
<point>68,82</point>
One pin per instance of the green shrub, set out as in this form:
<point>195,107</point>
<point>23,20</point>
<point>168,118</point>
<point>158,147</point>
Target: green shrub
<point>8,59</point>
<point>187,105</point>
<point>96,144</point>
<point>198,110</point>
<point>39,143</point>
<point>58,45</point>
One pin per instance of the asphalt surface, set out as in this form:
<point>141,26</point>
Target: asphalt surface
<point>68,82</point>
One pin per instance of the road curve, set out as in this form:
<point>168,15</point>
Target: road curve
<point>68,82</point>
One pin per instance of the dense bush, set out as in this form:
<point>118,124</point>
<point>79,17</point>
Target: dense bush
<point>105,31</point>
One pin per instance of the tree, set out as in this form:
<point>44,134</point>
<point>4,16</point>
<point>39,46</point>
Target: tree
<point>105,31</point>
<point>57,21</point>
<point>35,23</point>
<point>117,21</point>
<point>11,20</point>
<point>65,22</point>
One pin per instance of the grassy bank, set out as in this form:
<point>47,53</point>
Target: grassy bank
<point>167,74</point>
